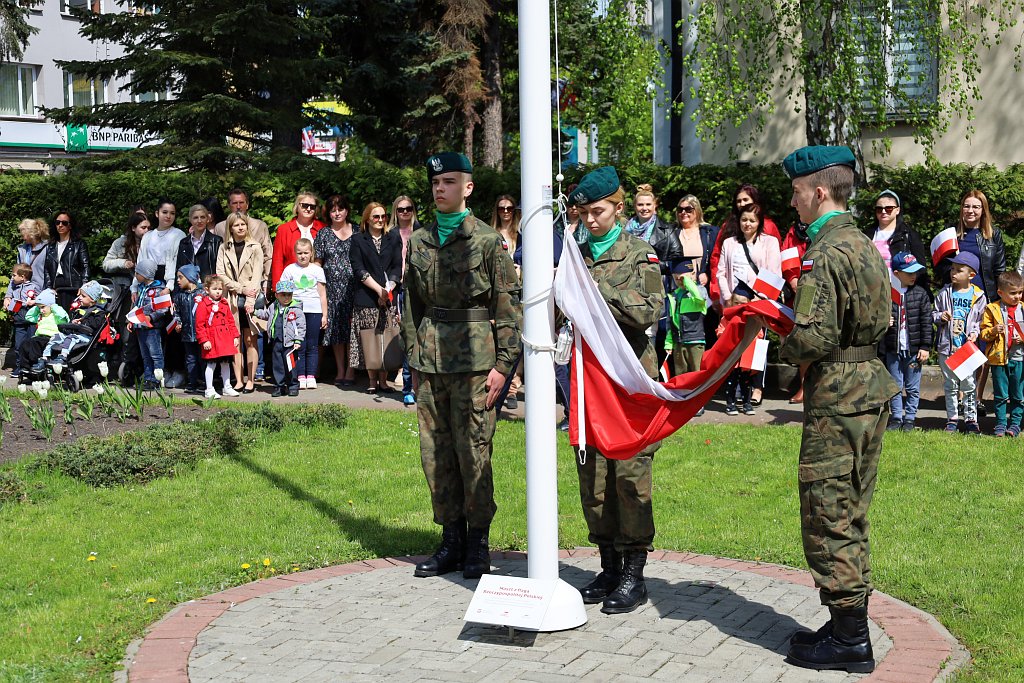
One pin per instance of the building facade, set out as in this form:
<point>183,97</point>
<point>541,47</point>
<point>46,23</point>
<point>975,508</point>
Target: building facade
<point>30,141</point>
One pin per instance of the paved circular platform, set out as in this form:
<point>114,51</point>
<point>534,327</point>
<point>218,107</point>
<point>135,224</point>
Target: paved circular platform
<point>708,619</point>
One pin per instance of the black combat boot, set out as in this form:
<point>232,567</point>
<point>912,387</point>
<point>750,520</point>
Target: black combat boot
<point>478,554</point>
<point>448,557</point>
<point>806,637</point>
<point>848,646</point>
<point>608,580</point>
<point>631,591</point>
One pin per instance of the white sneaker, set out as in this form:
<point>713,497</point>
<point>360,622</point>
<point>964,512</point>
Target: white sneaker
<point>311,382</point>
<point>230,391</point>
<point>210,393</point>
<point>303,382</point>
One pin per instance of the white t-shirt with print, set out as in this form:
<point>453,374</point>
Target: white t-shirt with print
<point>306,280</point>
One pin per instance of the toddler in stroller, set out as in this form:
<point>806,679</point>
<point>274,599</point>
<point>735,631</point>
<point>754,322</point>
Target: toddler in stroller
<point>89,320</point>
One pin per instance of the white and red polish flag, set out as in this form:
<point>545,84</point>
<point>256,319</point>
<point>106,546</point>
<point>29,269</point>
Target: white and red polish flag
<point>768,284</point>
<point>965,361</point>
<point>614,406</point>
<point>137,317</point>
<point>755,356</point>
<point>289,360</point>
<point>160,301</point>
<point>791,260</point>
<point>943,245</point>
<point>897,290</point>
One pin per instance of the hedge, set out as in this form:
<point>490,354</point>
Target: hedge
<point>101,201</point>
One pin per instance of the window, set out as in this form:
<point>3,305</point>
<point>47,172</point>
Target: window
<point>94,6</point>
<point>17,90</point>
<point>80,91</point>
<point>901,55</point>
<point>152,96</point>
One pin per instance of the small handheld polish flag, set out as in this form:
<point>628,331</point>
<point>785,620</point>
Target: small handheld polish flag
<point>755,357</point>
<point>768,284</point>
<point>943,245</point>
<point>965,361</point>
<point>897,290</point>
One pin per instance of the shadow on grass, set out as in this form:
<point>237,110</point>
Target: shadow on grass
<point>699,606</point>
<point>380,539</point>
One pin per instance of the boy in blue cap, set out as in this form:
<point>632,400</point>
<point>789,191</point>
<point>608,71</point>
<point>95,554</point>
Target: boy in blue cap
<point>842,311</point>
<point>908,342</point>
<point>959,306</point>
<point>286,331</point>
<point>186,297</point>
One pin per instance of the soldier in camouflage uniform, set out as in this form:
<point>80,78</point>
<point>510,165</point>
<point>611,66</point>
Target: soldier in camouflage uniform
<point>460,328</point>
<point>616,494</point>
<point>842,311</point>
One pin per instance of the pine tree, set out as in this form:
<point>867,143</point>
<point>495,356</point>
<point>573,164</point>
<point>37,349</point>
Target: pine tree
<point>14,29</point>
<point>238,72</point>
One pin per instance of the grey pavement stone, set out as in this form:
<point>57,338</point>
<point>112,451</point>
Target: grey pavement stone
<point>701,624</point>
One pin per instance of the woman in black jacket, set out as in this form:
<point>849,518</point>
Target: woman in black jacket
<point>376,255</point>
<point>891,234</point>
<point>67,259</point>
<point>200,233</point>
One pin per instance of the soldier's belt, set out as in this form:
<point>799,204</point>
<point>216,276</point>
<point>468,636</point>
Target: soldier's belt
<point>851,354</point>
<point>459,315</point>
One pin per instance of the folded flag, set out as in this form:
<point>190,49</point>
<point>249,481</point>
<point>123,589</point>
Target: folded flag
<point>768,284</point>
<point>943,245</point>
<point>791,261</point>
<point>897,290</point>
<point>160,301</point>
<point>755,357</point>
<point>137,317</point>
<point>965,361</point>
<point>615,406</point>
<point>172,325</point>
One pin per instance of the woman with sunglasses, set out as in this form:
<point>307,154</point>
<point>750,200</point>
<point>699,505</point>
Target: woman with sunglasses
<point>304,223</point>
<point>505,221</point>
<point>66,265</point>
<point>403,217</point>
<point>333,249</point>
<point>891,234</point>
<point>377,267</point>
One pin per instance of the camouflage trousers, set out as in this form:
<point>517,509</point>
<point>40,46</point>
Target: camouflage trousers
<point>838,468</point>
<point>456,430</point>
<point>616,498</point>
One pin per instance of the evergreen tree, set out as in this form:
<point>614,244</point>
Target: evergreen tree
<point>238,72</point>
<point>14,29</point>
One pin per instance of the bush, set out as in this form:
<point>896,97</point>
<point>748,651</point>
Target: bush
<point>261,418</point>
<point>12,488</point>
<point>140,457</point>
<point>329,415</point>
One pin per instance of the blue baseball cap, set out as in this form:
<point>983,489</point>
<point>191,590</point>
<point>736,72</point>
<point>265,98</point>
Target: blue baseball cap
<point>905,262</point>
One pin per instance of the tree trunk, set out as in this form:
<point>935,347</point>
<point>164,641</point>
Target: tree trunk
<point>469,118</point>
<point>491,154</point>
<point>828,119</point>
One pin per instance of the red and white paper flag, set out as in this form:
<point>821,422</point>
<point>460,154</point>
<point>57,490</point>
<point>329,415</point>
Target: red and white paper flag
<point>897,289</point>
<point>791,260</point>
<point>755,357</point>
<point>289,360</point>
<point>965,361</point>
<point>665,374</point>
<point>172,325</point>
<point>943,245</point>
<point>768,284</point>
<point>137,317</point>
<point>160,301</point>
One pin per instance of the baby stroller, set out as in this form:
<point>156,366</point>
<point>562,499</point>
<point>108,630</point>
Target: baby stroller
<point>86,359</point>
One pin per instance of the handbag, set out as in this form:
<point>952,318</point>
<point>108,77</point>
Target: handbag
<point>381,351</point>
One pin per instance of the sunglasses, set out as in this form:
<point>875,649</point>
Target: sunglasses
<point>59,222</point>
<point>685,209</point>
<point>885,209</point>
<point>379,217</point>
<point>506,209</point>
<point>307,207</point>
<point>404,209</point>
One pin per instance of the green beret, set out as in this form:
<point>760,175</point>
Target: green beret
<point>597,184</point>
<point>808,160</point>
<point>446,162</point>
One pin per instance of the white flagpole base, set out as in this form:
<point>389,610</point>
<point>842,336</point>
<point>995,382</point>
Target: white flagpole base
<point>541,605</point>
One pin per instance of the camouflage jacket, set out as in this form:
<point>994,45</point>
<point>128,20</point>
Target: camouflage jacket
<point>629,278</point>
<point>471,271</point>
<point>842,301</point>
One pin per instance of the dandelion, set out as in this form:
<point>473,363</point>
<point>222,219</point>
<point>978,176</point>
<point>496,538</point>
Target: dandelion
<point>351,503</point>
<point>150,601</point>
<point>92,558</point>
<point>103,368</point>
<point>266,562</point>
<point>78,376</point>
<point>246,565</point>
<point>295,569</point>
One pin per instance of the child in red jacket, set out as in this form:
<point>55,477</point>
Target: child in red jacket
<point>217,334</point>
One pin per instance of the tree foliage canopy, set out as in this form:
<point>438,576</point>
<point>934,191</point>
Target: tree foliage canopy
<point>14,29</point>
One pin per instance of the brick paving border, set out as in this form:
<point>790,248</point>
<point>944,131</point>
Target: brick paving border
<point>922,650</point>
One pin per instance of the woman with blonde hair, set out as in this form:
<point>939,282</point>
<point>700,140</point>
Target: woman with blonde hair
<point>377,266</point>
<point>240,265</point>
<point>35,235</point>
<point>304,223</point>
<point>505,221</point>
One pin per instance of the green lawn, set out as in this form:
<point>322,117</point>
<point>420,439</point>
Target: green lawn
<point>947,530</point>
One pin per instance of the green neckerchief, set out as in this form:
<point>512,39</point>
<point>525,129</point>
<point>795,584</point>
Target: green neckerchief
<point>447,222</point>
<point>599,245</point>
<point>815,227</point>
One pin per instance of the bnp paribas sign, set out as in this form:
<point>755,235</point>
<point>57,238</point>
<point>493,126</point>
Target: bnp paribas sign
<point>85,139</point>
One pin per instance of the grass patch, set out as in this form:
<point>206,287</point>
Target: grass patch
<point>946,532</point>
